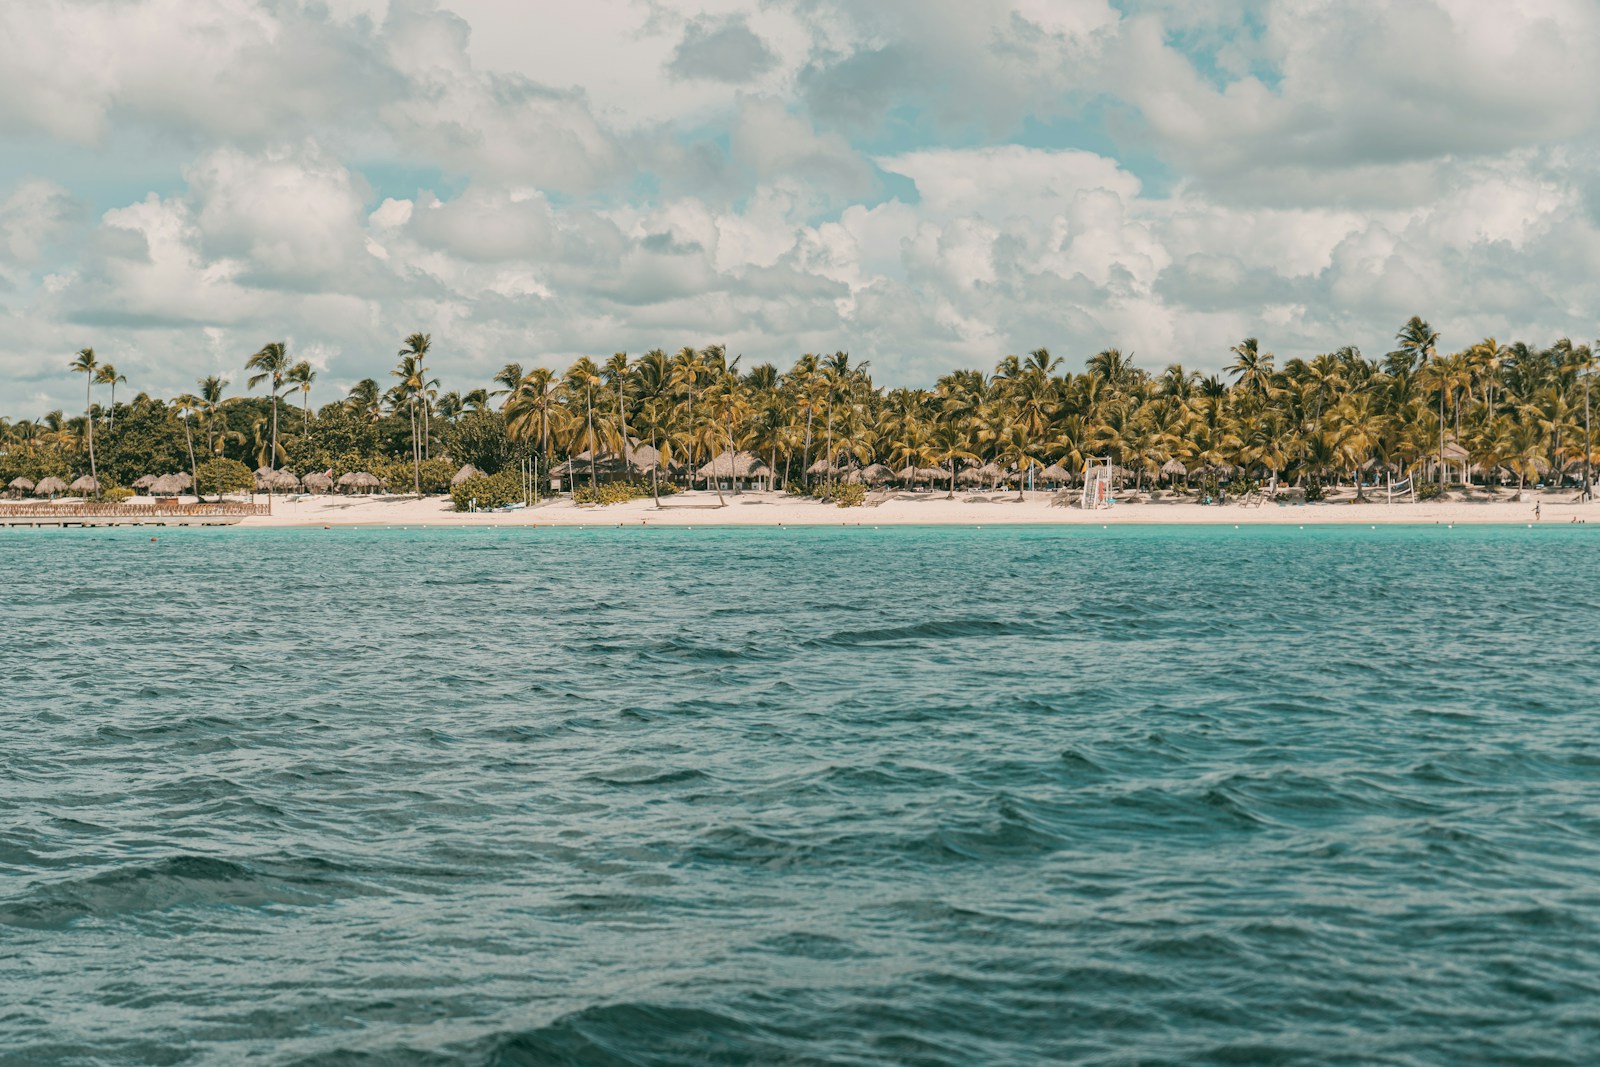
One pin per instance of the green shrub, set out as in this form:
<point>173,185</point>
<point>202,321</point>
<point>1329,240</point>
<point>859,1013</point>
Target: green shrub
<point>490,491</point>
<point>224,476</point>
<point>1429,491</point>
<point>850,494</point>
<point>618,492</point>
<point>117,494</point>
<point>1314,492</point>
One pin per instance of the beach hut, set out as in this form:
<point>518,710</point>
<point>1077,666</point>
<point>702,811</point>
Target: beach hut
<point>821,468</point>
<point>169,485</point>
<point>969,476</point>
<point>359,482</point>
<point>50,487</point>
<point>1173,470</point>
<point>86,484</point>
<point>21,486</point>
<point>735,469</point>
<point>877,474</point>
<point>144,481</point>
<point>275,481</point>
<point>464,475</point>
<point>317,482</point>
<point>1055,475</point>
<point>993,473</point>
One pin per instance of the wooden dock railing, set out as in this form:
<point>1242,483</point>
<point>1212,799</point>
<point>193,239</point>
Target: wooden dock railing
<point>40,509</point>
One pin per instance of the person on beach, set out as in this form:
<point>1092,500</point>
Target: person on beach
<point>1536,515</point>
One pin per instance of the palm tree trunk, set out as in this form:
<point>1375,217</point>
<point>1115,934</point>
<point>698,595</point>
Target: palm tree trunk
<point>416,453</point>
<point>88,423</point>
<point>594,456</point>
<point>194,468</point>
<point>273,459</point>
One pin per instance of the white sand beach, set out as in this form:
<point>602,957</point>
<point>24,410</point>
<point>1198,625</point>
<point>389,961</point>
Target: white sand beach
<point>701,508</point>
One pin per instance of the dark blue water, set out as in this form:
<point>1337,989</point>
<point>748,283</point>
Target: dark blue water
<point>901,796</point>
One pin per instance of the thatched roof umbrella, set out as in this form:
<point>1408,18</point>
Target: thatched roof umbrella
<point>357,481</point>
<point>734,465</point>
<point>908,473</point>
<point>464,475</point>
<point>1174,469</point>
<point>933,474</point>
<point>877,474</point>
<point>86,484</point>
<point>993,473</point>
<point>969,476</point>
<point>274,481</point>
<point>169,485</point>
<point>820,467</point>
<point>50,487</point>
<point>20,485</point>
<point>317,482</point>
<point>144,481</point>
<point>1055,474</point>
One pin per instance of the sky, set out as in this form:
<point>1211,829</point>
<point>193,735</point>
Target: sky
<point>926,184</point>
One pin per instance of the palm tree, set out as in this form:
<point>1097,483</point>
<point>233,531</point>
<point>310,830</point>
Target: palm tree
<point>87,365</point>
<point>302,375</point>
<point>271,364</point>
<point>211,389</point>
<point>107,375</point>
<point>581,381</point>
<point>416,347</point>
<point>189,406</point>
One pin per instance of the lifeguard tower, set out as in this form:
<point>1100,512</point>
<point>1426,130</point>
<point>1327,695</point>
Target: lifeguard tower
<point>1098,492</point>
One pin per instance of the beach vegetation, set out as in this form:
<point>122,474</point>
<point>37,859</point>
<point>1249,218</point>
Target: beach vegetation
<point>1490,413</point>
<point>223,475</point>
<point>488,491</point>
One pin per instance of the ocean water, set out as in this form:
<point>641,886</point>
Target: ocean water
<point>780,796</point>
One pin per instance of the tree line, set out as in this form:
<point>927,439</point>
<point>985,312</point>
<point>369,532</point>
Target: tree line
<point>1509,410</point>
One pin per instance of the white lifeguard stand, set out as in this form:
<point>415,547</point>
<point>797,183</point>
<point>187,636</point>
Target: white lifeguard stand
<point>1097,487</point>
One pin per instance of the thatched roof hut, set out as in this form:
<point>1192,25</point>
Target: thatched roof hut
<point>169,485</point>
<point>637,459</point>
<point>22,485</point>
<point>820,467</point>
<point>86,484</point>
<point>1172,468</point>
<point>970,476</point>
<point>50,487</point>
<point>735,465</point>
<point>464,475</point>
<point>911,474</point>
<point>993,473</point>
<point>144,481</point>
<point>877,474</point>
<point>317,482</point>
<point>1055,474</point>
<point>276,481</point>
<point>359,482</point>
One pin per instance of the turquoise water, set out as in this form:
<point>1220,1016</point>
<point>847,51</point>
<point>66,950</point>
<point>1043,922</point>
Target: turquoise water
<point>848,796</point>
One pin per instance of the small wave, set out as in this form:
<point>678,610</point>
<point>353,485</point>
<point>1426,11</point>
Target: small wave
<point>177,882</point>
<point>646,774</point>
<point>938,630</point>
<point>618,1035</point>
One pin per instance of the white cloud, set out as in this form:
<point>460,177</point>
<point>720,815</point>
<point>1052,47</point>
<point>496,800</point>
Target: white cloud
<point>538,181</point>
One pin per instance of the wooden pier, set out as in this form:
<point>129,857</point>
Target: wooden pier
<point>42,513</point>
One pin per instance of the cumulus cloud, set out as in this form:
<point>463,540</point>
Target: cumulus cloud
<point>723,50</point>
<point>923,182</point>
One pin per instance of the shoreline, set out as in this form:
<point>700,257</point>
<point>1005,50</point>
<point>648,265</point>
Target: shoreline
<point>700,508</point>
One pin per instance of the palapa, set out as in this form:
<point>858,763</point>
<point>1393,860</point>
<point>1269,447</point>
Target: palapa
<point>169,485</point>
<point>317,482</point>
<point>359,481</point>
<point>22,485</point>
<point>734,465</point>
<point>1174,469</point>
<point>877,474</point>
<point>1055,474</point>
<point>50,486</point>
<point>276,481</point>
<point>144,481</point>
<point>86,484</point>
<point>464,475</point>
